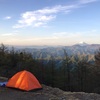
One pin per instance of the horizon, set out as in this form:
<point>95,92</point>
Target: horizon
<point>80,43</point>
<point>49,22</point>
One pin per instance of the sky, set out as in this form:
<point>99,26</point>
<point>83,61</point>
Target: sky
<point>49,22</point>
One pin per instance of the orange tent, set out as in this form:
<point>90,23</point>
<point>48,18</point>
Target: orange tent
<point>24,80</point>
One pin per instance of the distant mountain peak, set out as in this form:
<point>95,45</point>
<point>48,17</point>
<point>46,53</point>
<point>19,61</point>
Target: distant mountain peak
<point>82,43</point>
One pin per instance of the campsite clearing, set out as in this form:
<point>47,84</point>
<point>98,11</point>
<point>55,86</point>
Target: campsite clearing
<point>47,93</point>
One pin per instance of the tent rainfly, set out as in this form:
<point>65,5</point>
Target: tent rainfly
<point>24,80</point>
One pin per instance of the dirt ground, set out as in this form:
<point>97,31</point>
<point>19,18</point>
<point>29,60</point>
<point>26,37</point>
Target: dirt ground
<point>47,93</point>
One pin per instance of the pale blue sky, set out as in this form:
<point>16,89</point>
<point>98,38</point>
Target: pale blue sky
<point>49,22</point>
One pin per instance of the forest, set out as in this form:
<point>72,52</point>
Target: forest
<point>74,74</point>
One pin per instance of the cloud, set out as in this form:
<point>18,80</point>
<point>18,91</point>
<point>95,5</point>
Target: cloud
<point>60,34</point>
<point>7,17</point>
<point>89,33</point>
<point>66,35</point>
<point>86,1</point>
<point>39,24</point>
<point>69,35</point>
<point>41,17</point>
<point>9,34</point>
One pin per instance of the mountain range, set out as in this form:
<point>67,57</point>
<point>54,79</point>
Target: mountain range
<point>58,51</point>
